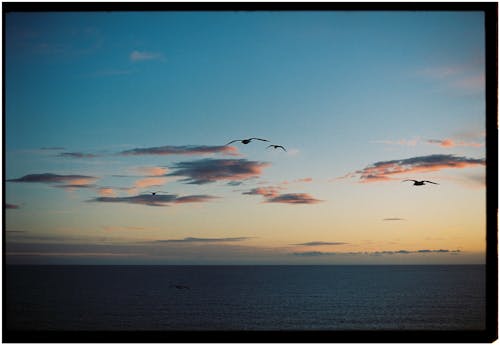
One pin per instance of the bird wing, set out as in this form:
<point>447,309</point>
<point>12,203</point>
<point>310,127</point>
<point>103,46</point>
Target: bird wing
<point>281,147</point>
<point>231,142</point>
<point>409,180</point>
<point>258,139</point>
<point>269,146</point>
<point>430,182</point>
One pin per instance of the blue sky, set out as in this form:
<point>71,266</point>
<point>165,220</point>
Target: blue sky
<point>340,90</point>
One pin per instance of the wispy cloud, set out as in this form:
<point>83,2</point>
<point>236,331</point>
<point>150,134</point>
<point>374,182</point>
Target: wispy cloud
<point>77,155</point>
<point>294,198</point>
<point>474,180</point>
<point>272,195</point>
<point>386,170</point>
<point>440,72</point>
<point>466,77</point>
<point>52,148</point>
<point>154,200</point>
<point>401,142</point>
<point>313,253</point>
<point>150,182</point>
<point>145,55</point>
<point>267,192</point>
<point>453,143</point>
<point>205,240</point>
<point>122,228</point>
<point>73,186</point>
<point>319,243</point>
<point>470,83</point>
<point>43,43</point>
<point>300,180</point>
<point>194,198</point>
<point>152,171</point>
<point>106,191</point>
<point>447,142</point>
<point>393,219</point>
<point>379,253</point>
<point>211,170</point>
<point>182,150</point>
<point>76,180</point>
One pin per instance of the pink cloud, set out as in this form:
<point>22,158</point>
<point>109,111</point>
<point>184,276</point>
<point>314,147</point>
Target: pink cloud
<point>83,181</point>
<point>471,83</point>
<point>273,195</point>
<point>267,192</point>
<point>402,142</point>
<point>389,170</point>
<point>300,180</point>
<point>465,77</point>
<point>152,171</point>
<point>306,179</point>
<point>452,143</point>
<point>150,182</point>
<point>106,191</point>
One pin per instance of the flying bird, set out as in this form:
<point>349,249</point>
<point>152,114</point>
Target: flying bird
<point>154,193</point>
<point>420,183</point>
<point>245,141</point>
<point>180,287</point>
<point>276,146</point>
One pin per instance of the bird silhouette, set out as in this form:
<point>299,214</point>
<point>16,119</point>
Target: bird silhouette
<point>154,193</point>
<point>276,146</point>
<point>180,287</point>
<point>420,183</point>
<point>245,141</point>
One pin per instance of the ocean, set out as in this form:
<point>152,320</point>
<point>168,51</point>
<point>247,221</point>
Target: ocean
<point>168,298</point>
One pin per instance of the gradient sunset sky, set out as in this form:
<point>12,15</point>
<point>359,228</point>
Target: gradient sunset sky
<point>103,108</point>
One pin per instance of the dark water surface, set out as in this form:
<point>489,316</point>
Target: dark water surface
<point>245,297</point>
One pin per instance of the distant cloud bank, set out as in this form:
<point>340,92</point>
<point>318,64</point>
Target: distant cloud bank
<point>319,243</point>
<point>378,253</point>
<point>205,240</point>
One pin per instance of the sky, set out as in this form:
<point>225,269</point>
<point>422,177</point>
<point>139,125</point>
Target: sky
<point>103,109</point>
